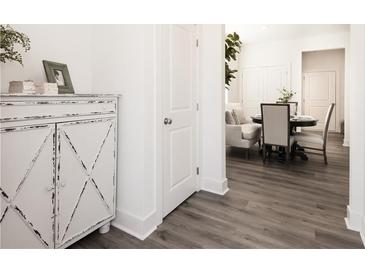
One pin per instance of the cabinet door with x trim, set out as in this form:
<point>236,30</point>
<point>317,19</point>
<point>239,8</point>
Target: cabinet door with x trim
<point>27,186</point>
<point>85,176</point>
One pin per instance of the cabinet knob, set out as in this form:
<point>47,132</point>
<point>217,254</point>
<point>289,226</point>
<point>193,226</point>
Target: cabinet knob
<point>50,188</point>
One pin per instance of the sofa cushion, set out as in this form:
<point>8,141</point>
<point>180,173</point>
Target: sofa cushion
<point>239,116</point>
<point>250,131</point>
<point>229,118</point>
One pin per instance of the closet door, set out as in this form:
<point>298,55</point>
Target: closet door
<point>85,166</point>
<point>27,192</point>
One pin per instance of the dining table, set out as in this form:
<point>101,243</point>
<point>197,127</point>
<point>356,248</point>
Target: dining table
<point>295,121</point>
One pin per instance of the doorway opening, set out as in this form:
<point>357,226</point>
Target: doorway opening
<point>282,195</point>
<point>323,83</point>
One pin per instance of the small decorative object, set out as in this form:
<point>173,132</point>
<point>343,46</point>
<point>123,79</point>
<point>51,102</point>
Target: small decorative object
<point>232,47</point>
<point>26,87</point>
<point>58,73</point>
<point>46,88</point>
<point>10,40</point>
<point>286,95</point>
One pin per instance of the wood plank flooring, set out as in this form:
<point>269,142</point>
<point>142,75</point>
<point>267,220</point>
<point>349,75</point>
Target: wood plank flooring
<point>277,205</point>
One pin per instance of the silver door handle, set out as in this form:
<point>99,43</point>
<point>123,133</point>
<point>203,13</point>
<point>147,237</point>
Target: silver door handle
<point>167,121</point>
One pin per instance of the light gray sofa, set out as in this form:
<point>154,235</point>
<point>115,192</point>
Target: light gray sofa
<point>240,132</point>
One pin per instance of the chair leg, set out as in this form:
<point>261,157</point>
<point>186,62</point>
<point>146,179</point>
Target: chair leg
<point>269,152</point>
<point>287,154</point>
<point>325,157</point>
<point>264,153</point>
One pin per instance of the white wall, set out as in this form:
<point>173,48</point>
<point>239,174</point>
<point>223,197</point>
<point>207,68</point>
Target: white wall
<point>118,59</point>
<point>329,60</point>
<point>356,208</point>
<point>123,61</point>
<point>69,44</point>
<point>211,83</point>
<point>289,53</point>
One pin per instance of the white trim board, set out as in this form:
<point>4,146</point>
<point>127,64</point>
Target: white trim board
<point>362,231</point>
<point>215,186</point>
<point>346,143</point>
<point>138,227</point>
<point>353,220</point>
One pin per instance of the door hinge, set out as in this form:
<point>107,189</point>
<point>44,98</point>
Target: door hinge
<point>197,42</point>
<point>197,107</point>
<point>197,171</point>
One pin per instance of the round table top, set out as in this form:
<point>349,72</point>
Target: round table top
<point>295,121</point>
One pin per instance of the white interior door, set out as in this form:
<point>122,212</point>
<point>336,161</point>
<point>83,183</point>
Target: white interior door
<point>180,115</point>
<point>319,92</point>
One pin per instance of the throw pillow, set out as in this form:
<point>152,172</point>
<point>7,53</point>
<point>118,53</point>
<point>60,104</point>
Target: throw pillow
<point>239,116</point>
<point>229,118</point>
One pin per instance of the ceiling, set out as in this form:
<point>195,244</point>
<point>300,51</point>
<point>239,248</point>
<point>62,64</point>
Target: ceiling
<point>266,33</point>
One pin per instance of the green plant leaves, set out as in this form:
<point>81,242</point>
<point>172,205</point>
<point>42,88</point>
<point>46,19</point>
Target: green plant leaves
<point>232,48</point>
<point>286,95</point>
<point>9,38</point>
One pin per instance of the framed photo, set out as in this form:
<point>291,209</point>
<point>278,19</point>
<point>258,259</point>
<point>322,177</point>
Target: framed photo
<point>58,73</point>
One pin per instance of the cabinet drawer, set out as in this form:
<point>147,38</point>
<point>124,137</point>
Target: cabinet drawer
<point>47,109</point>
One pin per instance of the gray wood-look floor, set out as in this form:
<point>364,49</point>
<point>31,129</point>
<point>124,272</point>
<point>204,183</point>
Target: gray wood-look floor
<point>277,205</point>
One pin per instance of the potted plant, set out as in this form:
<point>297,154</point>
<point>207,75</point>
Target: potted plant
<point>10,43</point>
<point>232,48</point>
<point>286,95</point>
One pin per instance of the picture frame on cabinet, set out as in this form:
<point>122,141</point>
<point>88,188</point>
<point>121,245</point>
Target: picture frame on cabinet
<point>58,73</point>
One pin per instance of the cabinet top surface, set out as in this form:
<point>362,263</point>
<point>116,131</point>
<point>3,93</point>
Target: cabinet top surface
<point>19,95</point>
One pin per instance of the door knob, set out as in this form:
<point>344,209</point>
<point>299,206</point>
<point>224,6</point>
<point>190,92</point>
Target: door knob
<point>167,121</point>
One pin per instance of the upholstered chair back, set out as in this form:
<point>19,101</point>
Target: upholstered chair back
<point>275,124</point>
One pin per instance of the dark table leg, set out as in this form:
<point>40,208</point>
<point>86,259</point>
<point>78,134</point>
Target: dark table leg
<point>299,151</point>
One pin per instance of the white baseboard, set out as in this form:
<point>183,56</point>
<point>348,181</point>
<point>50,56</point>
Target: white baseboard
<point>215,186</point>
<point>362,231</point>
<point>353,220</point>
<point>346,143</point>
<point>138,227</point>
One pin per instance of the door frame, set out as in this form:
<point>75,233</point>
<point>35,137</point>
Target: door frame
<point>337,97</point>
<point>346,88</point>
<point>159,61</point>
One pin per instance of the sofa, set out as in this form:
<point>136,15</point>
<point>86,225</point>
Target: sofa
<point>241,132</point>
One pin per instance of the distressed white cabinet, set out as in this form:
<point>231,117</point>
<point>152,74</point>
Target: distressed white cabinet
<point>58,168</point>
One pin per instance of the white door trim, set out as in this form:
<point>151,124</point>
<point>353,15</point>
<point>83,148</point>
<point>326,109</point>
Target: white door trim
<point>158,121</point>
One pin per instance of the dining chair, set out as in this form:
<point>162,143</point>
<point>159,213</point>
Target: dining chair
<point>293,107</point>
<point>316,142</point>
<point>276,128</point>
